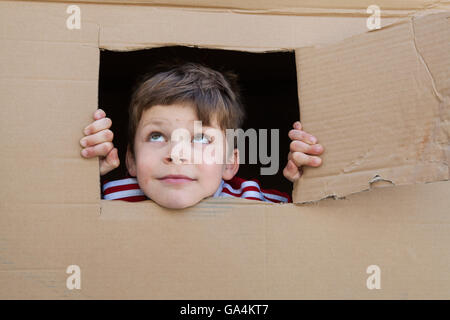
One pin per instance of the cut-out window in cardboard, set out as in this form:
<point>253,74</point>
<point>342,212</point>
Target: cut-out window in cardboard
<point>267,82</point>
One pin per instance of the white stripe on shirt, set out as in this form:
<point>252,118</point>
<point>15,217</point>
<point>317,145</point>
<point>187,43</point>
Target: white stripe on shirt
<point>123,194</point>
<point>120,182</point>
<point>260,193</point>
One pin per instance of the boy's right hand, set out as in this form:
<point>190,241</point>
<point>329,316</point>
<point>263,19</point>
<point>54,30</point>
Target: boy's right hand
<point>97,142</point>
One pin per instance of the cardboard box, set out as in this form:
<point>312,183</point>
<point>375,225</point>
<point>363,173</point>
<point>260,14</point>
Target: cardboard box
<point>378,101</point>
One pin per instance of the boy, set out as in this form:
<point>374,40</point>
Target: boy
<point>171,102</point>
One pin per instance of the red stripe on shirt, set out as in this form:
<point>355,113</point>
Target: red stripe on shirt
<point>236,195</point>
<point>124,187</point>
<point>236,183</point>
<point>133,198</point>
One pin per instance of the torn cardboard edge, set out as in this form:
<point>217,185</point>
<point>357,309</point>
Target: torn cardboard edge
<point>418,148</point>
<point>263,35</point>
<point>126,46</point>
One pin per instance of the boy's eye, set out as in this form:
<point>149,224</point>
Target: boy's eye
<point>201,138</point>
<point>155,136</point>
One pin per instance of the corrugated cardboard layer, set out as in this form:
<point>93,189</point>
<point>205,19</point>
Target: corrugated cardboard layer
<point>40,156</point>
<point>219,250</point>
<point>380,105</point>
<point>317,7</point>
<point>119,27</point>
<point>48,91</point>
<point>124,28</point>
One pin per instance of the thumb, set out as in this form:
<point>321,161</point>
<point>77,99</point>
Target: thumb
<point>291,171</point>
<point>110,162</point>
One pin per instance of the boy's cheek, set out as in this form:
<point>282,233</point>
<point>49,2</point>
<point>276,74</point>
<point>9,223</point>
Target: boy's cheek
<point>210,173</point>
<point>213,154</point>
<point>144,168</point>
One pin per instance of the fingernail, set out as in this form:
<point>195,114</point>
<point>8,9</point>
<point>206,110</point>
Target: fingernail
<point>86,131</point>
<point>312,139</point>
<point>317,161</point>
<point>84,152</point>
<point>83,142</point>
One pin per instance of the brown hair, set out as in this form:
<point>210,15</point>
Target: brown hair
<point>207,90</point>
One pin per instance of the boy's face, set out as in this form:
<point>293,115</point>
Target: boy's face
<point>158,156</point>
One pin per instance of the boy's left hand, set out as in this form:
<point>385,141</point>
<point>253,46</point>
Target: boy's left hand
<point>304,151</point>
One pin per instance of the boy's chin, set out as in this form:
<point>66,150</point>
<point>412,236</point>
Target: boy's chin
<point>179,206</point>
<point>177,203</point>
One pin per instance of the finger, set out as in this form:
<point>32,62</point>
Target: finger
<point>301,159</point>
<point>96,138</point>
<point>99,150</point>
<point>297,125</point>
<point>98,114</point>
<point>291,171</point>
<point>301,135</point>
<point>300,146</point>
<point>110,162</point>
<point>98,125</point>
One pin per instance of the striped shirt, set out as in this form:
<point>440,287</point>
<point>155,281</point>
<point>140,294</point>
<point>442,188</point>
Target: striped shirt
<point>128,190</point>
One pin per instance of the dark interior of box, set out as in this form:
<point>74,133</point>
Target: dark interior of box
<point>267,81</point>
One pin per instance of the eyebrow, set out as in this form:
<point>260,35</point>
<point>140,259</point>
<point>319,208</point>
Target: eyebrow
<point>155,121</point>
<point>161,121</point>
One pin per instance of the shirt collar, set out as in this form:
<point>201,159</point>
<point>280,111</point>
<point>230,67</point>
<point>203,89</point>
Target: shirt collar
<point>219,190</point>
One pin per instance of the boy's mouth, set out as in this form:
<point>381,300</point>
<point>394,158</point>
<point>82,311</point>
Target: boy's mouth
<point>176,179</point>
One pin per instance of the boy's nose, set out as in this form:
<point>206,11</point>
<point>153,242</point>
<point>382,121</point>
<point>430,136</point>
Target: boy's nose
<point>178,153</point>
<point>175,159</point>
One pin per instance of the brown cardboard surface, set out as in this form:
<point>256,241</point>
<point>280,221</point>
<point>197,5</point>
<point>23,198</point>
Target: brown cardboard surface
<point>51,215</point>
<point>219,250</point>
<point>119,27</point>
<point>325,7</point>
<point>380,104</point>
